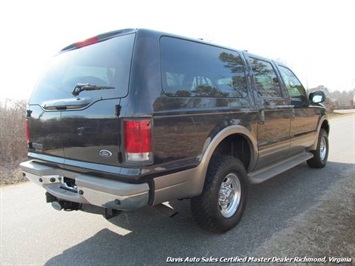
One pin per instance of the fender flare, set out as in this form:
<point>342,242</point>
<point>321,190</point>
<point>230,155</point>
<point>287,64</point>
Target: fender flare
<point>211,145</point>
<point>321,121</point>
<point>190,183</point>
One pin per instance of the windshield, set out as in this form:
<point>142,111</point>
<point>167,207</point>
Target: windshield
<point>106,63</point>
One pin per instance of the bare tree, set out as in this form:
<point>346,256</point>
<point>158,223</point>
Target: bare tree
<point>13,145</point>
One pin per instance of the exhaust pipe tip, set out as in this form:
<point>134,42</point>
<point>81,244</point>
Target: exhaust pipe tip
<point>65,205</point>
<point>57,206</point>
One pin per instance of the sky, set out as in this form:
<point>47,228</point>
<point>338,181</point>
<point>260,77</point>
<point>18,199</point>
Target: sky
<point>316,38</point>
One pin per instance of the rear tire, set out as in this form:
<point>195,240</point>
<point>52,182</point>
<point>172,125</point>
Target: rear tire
<point>321,153</point>
<point>221,205</point>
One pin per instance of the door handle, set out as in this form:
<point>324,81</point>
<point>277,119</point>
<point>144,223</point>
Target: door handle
<point>284,106</point>
<point>68,103</point>
<point>293,115</point>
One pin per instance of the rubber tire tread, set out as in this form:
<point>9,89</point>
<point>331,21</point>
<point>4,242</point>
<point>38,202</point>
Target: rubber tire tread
<point>316,161</point>
<point>204,207</point>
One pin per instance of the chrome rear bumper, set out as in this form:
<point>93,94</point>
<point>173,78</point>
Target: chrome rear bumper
<point>87,189</point>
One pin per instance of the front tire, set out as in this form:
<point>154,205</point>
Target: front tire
<point>321,153</point>
<point>221,205</point>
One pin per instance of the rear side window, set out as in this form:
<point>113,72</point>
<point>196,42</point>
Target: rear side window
<point>193,69</point>
<point>265,78</point>
<point>105,63</point>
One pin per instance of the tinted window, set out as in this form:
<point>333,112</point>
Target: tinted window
<point>105,63</point>
<point>294,86</point>
<point>194,69</point>
<point>266,81</point>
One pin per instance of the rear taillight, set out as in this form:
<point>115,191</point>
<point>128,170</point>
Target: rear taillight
<point>27,132</point>
<point>138,140</point>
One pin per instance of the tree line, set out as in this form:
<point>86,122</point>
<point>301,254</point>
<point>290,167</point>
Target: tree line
<point>13,145</point>
<point>336,99</point>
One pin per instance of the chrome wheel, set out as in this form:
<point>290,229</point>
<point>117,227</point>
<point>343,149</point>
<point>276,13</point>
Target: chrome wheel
<point>229,195</point>
<point>222,202</point>
<point>323,149</point>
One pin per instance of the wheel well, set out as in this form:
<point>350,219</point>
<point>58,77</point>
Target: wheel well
<point>236,145</point>
<point>325,125</point>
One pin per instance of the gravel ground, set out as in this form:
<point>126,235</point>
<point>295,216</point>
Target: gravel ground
<point>325,230</point>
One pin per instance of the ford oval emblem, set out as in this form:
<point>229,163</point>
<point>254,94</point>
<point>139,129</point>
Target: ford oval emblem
<point>105,153</point>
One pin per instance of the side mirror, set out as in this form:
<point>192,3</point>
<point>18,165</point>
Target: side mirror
<point>317,97</point>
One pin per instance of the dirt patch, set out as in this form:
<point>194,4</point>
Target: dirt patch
<point>325,230</point>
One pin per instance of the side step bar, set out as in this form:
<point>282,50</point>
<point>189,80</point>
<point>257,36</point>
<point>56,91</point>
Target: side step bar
<point>264,174</point>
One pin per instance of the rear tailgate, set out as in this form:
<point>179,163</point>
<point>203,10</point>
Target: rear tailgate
<point>44,134</point>
<point>92,134</point>
<point>73,113</point>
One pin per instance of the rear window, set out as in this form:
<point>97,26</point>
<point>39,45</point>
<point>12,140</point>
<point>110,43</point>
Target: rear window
<point>191,69</point>
<point>105,63</point>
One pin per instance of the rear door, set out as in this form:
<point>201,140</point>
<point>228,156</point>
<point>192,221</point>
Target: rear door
<point>274,112</point>
<point>79,97</point>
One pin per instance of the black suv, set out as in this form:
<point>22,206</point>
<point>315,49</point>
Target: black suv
<point>137,117</point>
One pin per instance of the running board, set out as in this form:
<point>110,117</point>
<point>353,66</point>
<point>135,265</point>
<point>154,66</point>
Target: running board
<point>264,174</point>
